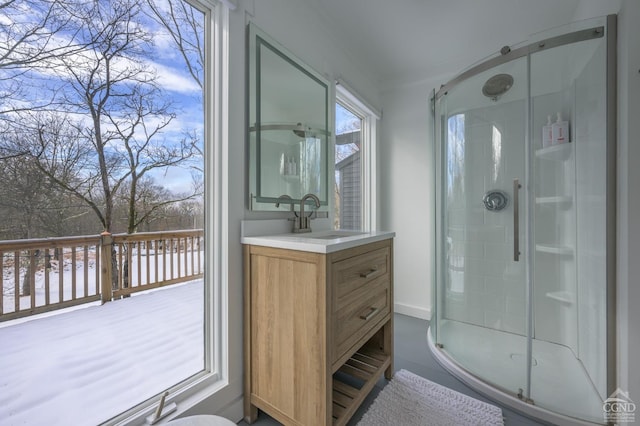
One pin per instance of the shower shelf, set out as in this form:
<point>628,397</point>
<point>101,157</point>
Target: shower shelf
<point>564,201</point>
<point>556,152</point>
<point>553,249</point>
<point>564,297</point>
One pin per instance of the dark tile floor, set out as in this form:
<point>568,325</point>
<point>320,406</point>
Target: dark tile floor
<point>412,354</point>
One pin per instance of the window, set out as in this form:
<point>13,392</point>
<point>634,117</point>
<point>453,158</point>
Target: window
<point>110,115</point>
<point>355,171</point>
<point>348,170</point>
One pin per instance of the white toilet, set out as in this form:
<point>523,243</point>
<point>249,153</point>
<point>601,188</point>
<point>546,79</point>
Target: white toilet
<point>202,420</point>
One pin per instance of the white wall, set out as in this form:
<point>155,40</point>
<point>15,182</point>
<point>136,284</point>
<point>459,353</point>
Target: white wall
<point>303,30</point>
<point>591,8</point>
<point>628,302</point>
<point>406,191</point>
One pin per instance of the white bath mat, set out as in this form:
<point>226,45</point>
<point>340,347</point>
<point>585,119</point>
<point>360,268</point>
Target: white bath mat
<point>410,400</point>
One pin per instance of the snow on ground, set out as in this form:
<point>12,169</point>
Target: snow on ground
<point>86,366</point>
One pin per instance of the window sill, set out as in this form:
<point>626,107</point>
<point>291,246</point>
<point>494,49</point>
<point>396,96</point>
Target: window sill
<point>203,396</point>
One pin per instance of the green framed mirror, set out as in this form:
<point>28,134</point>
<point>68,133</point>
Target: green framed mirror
<point>288,126</point>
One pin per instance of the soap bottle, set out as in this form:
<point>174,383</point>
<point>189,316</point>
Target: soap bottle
<point>560,131</point>
<point>547,133</point>
<point>289,166</point>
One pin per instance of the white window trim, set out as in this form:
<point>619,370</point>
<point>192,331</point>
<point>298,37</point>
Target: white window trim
<point>215,378</point>
<point>368,138</point>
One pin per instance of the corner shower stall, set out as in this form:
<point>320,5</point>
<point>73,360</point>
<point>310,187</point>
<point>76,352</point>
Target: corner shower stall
<point>523,305</point>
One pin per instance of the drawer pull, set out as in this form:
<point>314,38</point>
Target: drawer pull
<point>368,273</point>
<point>371,313</point>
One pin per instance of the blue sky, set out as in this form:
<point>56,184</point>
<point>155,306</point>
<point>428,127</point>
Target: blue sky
<point>162,58</point>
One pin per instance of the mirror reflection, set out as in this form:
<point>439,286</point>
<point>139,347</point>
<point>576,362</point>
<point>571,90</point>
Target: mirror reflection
<point>288,127</point>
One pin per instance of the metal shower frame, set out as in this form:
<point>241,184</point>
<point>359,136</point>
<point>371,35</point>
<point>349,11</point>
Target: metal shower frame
<point>507,55</point>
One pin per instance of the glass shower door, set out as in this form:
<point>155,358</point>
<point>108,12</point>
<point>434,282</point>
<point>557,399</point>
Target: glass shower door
<point>525,221</point>
<point>482,307</point>
<point>568,375</point>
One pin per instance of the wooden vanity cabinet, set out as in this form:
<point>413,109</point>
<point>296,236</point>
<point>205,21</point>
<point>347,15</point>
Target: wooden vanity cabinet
<point>318,331</point>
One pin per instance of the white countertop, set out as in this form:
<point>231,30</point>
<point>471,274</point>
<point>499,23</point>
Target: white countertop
<point>327,241</point>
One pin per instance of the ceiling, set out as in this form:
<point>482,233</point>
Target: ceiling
<point>409,40</point>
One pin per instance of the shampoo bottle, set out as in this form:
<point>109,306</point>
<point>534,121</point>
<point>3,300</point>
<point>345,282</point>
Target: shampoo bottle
<point>547,133</point>
<point>560,131</point>
<point>290,166</point>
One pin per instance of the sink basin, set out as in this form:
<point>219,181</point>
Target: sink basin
<point>334,235</point>
<point>321,240</point>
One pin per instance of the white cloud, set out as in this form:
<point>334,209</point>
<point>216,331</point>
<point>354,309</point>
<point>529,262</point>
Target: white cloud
<point>5,20</point>
<point>175,179</point>
<point>175,80</point>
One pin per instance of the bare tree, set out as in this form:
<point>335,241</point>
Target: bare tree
<point>31,206</point>
<point>185,26</point>
<point>154,204</point>
<point>110,127</point>
<point>20,196</point>
<point>32,34</point>
<point>60,151</point>
<point>81,105</point>
<point>123,139</point>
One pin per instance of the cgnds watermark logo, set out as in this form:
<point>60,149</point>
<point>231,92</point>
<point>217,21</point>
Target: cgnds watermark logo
<point>619,408</point>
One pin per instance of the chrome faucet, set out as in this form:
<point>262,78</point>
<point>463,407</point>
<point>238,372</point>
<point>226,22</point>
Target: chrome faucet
<point>283,198</point>
<point>303,223</point>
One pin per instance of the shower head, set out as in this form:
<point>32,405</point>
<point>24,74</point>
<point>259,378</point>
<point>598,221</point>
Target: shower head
<point>300,131</point>
<point>497,85</point>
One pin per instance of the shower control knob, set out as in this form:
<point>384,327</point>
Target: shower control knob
<point>495,200</point>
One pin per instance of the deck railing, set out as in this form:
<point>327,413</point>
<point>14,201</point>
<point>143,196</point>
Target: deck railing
<point>41,275</point>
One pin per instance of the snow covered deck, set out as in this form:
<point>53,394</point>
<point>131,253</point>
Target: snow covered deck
<point>86,366</point>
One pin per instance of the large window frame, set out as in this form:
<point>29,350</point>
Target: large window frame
<point>368,151</point>
<point>210,385</point>
<point>215,376</point>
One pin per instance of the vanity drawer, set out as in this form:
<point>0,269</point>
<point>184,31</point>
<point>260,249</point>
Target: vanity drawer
<point>352,274</point>
<point>356,319</point>
<point>308,315</point>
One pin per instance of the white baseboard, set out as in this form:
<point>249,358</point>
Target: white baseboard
<point>234,411</point>
<point>412,311</point>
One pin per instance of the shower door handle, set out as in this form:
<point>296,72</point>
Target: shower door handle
<point>516,220</point>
